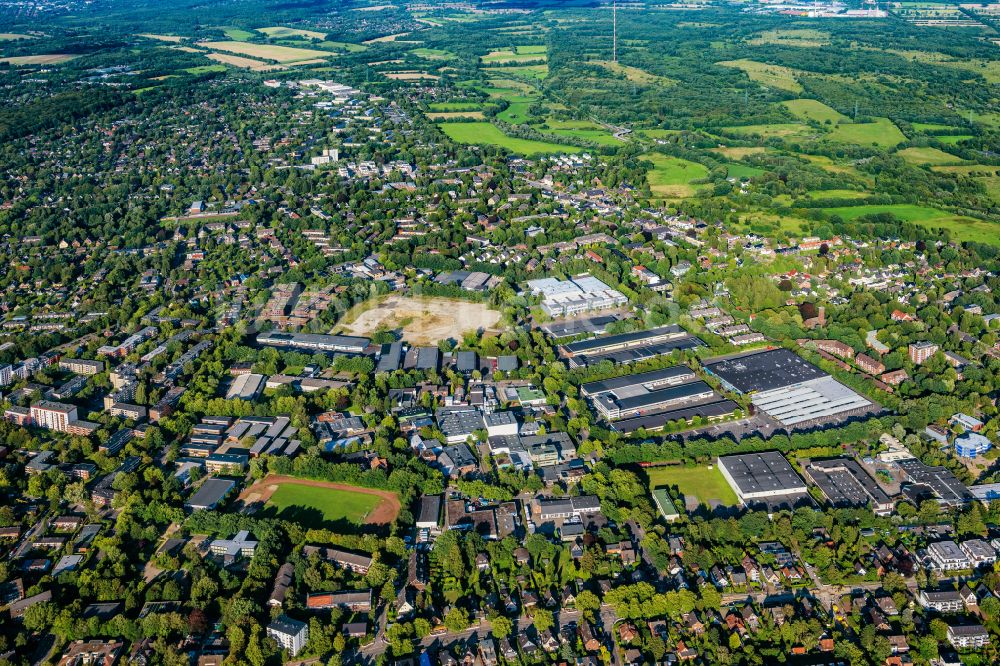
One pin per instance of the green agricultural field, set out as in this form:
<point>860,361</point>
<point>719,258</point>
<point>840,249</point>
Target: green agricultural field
<point>742,171</point>
<point>952,139</point>
<point>535,72</point>
<point>281,31</point>
<point>297,501</point>
<point>486,134</point>
<point>205,69</point>
<point>992,185</point>
<point>966,169</point>
<point>932,127</point>
<point>602,137</point>
<point>515,113</point>
<point>779,130</point>
<point>811,109</point>
<point>882,133</point>
<point>773,76</point>
<point>928,156</point>
<point>961,228</point>
<point>707,485</point>
<point>454,106</point>
<point>238,34</point>
<point>433,54</point>
<point>515,55</point>
<point>836,194</point>
<point>671,177</point>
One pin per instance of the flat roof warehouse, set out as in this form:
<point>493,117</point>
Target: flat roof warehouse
<point>764,371</point>
<point>788,388</point>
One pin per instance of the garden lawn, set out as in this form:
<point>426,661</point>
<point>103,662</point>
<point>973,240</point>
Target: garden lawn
<point>708,485</point>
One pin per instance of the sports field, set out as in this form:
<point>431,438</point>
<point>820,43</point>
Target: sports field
<point>313,503</point>
<point>671,177</point>
<point>266,51</point>
<point>483,134</point>
<point>706,486</point>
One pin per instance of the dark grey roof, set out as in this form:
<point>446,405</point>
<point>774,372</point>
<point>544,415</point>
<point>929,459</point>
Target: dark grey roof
<point>466,361</point>
<point>653,376</point>
<point>761,472</point>
<point>660,419</point>
<point>636,337</point>
<point>210,493</point>
<point>392,356</point>
<point>428,358</point>
<point>764,371</point>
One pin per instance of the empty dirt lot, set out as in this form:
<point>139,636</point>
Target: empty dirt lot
<point>424,320</point>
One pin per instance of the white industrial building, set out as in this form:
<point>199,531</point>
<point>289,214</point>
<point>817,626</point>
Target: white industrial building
<point>583,293</point>
<point>810,400</point>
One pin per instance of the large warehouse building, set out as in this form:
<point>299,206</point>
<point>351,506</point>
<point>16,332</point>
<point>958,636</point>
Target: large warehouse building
<point>846,484</point>
<point>650,400</point>
<point>764,478</point>
<point>583,293</point>
<point>629,347</point>
<point>788,388</point>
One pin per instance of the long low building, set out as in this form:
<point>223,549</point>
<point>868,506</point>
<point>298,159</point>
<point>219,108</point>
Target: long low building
<point>346,344</point>
<point>211,492</point>
<point>708,411</point>
<point>764,477</point>
<point>809,401</point>
<point>763,371</point>
<point>788,388</point>
<point>612,407</point>
<point>846,484</point>
<point>608,343</point>
<point>643,381</point>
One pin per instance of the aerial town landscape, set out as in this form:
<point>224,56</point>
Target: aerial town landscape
<point>499,333</point>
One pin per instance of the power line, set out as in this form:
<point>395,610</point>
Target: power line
<point>614,23</point>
